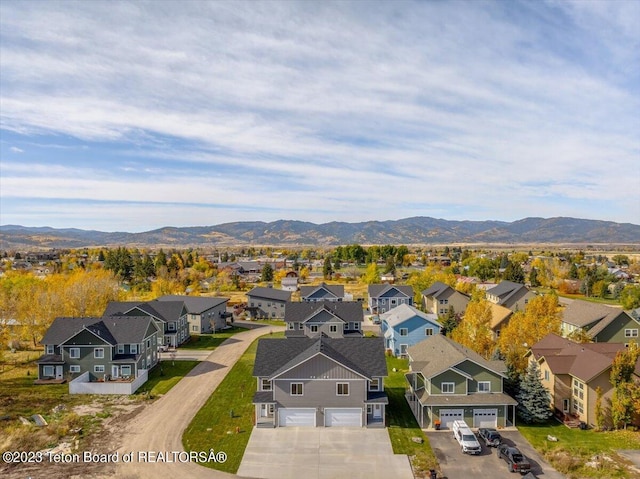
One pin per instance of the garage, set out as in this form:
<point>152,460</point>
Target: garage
<point>447,416</point>
<point>297,417</point>
<point>343,417</point>
<point>485,418</point>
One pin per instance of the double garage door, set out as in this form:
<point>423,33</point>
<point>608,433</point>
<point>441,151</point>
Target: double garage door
<point>306,417</point>
<point>481,417</point>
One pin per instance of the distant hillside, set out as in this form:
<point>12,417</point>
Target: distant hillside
<point>417,230</point>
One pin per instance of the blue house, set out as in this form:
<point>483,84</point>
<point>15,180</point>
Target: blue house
<point>404,326</point>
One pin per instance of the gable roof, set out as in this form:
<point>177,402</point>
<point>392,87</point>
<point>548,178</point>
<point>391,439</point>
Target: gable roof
<point>438,353</point>
<point>348,311</point>
<point>377,290</point>
<point>436,289</point>
<point>112,329</point>
<point>364,356</point>
<point>582,360</point>
<point>270,293</point>
<point>195,304</point>
<point>506,290</point>
<point>583,313</point>
<point>162,310</point>
<point>499,314</point>
<point>404,312</point>
<point>336,290</point>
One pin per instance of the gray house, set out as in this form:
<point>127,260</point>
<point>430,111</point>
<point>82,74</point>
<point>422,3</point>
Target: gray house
<point>514,296</point>
<point>307,382</point>
<point>328,318</point>
<point>205,314</point>
<point>602,323</point>
<point>111,348</point>
<point>440,297</point>
<point>322,292</point>
<point>169,316</point>
<point>383,297</point>
<point>267,303</point>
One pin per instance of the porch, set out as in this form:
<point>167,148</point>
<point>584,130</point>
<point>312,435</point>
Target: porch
<point>120,385</point>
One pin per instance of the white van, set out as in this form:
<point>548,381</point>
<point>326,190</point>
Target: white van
<point>466,438</point>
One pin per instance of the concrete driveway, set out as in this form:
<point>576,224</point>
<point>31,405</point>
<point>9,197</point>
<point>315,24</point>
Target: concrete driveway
<point>456,465</point>
<point>322,453</point>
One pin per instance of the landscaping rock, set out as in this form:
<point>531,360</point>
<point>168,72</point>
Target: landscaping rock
<point>418,440</point>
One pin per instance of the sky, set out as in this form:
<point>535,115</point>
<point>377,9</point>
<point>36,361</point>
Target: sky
<point>131,116</point>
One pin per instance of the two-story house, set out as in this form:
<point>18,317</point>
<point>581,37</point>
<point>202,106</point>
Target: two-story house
<point>383,297</point>
<point>572,372</point>
<point>267,303</point>
<point>603,324</point>
<point>405,326</point>
<point>514,296</point>
<point>320,382</point>
<point>205,314</point>
<point>449,382</point>
<point>107,348</point>
<point>169,316</point>
<point>322,292</point>
<point>440,297</point>
<point>329,318</point>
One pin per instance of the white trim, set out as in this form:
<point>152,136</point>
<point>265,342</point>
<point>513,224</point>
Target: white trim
<point>484,382</point>
<point>291,389</point>
<point>95,353</point>
<point>120,349</point>
<point>347,412</point>
<point>309,359</point>
<point>74,368</point>
<point>74,349</point>
<point>48,368</point>
<point>338,387</point>
<point>442,391</point>
<point>50,348</point>
<point>98,368</point>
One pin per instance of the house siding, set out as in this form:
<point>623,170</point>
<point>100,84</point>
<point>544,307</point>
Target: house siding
<point>319,367</point>
<point>449,376</point>
<point>320,394</point>
<point>614,332</point>
<point>480,374</point>
<point>416,327</point>
<point>468,413</point>
<point>267,308</point>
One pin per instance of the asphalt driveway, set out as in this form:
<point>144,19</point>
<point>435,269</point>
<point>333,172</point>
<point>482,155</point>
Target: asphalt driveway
<point>456,465</point>
<point>322,453</point>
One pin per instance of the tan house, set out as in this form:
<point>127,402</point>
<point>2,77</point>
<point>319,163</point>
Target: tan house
<point>514,296</point>
<point>603,324</point>
<point>500,317</point>
<point>572,371</point>
<point>440,297</point>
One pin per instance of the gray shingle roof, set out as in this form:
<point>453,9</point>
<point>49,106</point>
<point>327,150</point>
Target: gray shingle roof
<point>270,293</point>
<point>195,304</point>
<point>336,290</point>
<point>363,355</point>
<point>404,312</point>
<point>377,290</point>
<point>348,311</point>
<point>506,290</point>
<point>163,310</point>
<point>436,289</point>
<point>113,329</point>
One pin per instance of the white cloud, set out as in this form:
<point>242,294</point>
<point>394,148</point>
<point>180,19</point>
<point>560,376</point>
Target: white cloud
<point>15,149</point>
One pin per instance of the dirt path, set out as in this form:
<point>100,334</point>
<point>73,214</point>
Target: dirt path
<point>159,428</point>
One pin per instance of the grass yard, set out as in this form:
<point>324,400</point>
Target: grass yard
<point>575,447</point>
<point>225,421</point>
<point>402,425</point>
<point>210,341</point>
<point>270,322</point>
<point>164,376</point>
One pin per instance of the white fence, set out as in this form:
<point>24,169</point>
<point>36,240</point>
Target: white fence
<point>82,385</point>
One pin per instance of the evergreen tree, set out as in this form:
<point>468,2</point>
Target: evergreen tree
<point>448,322</point>
<point>267,272</point>
<point>513,272</point>
<point>161,259</point>
<point>533,278</point>
<point>573,271</point>
<point>101,256</point>
<point>533,398</point>
<point>327,270</point>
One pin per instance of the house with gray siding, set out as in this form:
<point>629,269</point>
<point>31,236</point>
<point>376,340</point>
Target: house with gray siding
<point>117,348</point>
<point>449,382</point>
<point>267,303</point>
<point>322,292</point>
<point>601,323</point>
<point>205,314</point>
<point>514,296</point>
<point>383,297</point>
<point>328,318</point>
<point>169,316</point>
<point>320,382</point>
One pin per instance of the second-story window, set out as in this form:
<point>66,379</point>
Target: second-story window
<point>314,328</point>
<point>98,352</point>
<point>74,353</point>
<point>342,389</point>
<point>404,332</point>
<point>265,385</point>
<point>297,389</point>
<point>448,388</point>
<point>374,384</point>
<point>133,348</point>
<point>333,328</point>
<point>484,386</point>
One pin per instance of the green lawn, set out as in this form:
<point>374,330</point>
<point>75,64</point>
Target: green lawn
<point>401,422</point>
<point>225,421</point>
<point>575,447</point>
<point>270,322</point>
<point>164,376</point>
<point>210,341</point>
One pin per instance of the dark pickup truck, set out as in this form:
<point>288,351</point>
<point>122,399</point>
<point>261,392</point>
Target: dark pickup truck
<point>490,436</point>
<point>514,458</point>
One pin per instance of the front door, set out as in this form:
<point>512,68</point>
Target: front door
<point>59,372</point>
<point>114,372</point>
<point>565,405</point>
<point>377,411</point>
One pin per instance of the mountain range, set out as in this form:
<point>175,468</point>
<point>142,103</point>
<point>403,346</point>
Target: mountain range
<point>416,230</point>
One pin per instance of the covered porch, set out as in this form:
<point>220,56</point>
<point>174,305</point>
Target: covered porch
<point>264,409</point>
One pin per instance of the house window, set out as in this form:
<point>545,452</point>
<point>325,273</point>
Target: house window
<point>50,348</point>
<point>120,348</point>
<point>98,368</point>
<point>47,371</point>
<point>98,353</point>
<point>300,326</point>
<point>172,326</point>
<point>356,326</point>
<point>448,388</point>
<point>546,374</point>
<point>74,368</point>
<point>297,389</point>
<point>428,332</point>
<point>74,353</point>
<point>265,385</point>
<point>314,328</point>
<point>374,384</point>
<point>333,328</point>
<point>125,370</point>
<point>194,328</point>
<point>484,386</point>
<point>404,332</point>
<point>291,326</point>
<point>342,389</point>
<point>630,333</point>
<point>443,311</point>
<point>133,348</point>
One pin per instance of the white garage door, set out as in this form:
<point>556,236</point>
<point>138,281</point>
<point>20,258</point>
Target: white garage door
<point>334,417</point>
<point>296,417</point>
<point>485,418</point>
<point>447,416</point>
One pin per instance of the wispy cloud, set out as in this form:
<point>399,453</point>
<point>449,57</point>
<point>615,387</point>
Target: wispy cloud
<point>322,111</point>
<point>15,149</point>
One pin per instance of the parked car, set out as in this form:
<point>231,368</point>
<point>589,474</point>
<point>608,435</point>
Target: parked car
<point>466,438</point>
<point>490,436</point>
<point>516,461</point>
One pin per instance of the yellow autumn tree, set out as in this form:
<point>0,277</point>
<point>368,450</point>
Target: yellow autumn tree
<point>474,331</point>
<point>541,317</point>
